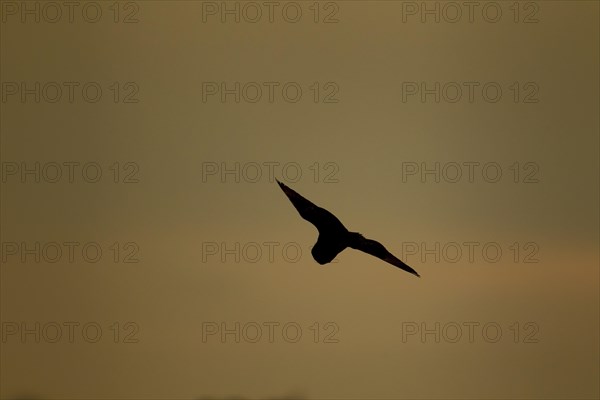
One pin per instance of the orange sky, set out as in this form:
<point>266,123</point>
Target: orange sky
<point>191,187</point>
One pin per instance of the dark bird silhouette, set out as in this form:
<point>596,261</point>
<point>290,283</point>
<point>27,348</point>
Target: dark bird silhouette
<point>333,235</point>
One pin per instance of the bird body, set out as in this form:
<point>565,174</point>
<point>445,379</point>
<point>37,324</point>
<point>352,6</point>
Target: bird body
<point>333,235</point>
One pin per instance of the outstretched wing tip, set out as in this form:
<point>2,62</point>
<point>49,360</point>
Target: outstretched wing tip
<point>374,248</point>
<point>408,269</point>
<point>403,266</point>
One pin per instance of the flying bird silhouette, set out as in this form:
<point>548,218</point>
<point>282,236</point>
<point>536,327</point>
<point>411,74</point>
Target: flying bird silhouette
<point>333,235</point>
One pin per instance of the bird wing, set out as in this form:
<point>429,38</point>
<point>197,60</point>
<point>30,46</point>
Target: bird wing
<point>321,218</point>
<point>376,249</point>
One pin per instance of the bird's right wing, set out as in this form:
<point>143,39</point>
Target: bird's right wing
<point>319,217</point>
<point>376,249</point>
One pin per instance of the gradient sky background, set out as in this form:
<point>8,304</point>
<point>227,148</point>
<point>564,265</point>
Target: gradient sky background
<point>368,136</point>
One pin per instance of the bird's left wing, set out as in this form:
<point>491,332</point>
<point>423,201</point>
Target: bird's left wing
<point>319,217</point>
<point>376,249</point>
